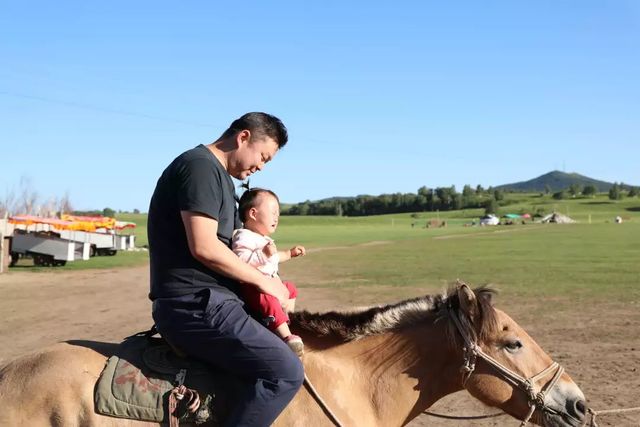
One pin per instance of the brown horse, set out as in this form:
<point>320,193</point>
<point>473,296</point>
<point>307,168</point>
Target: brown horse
<point>380,367</point>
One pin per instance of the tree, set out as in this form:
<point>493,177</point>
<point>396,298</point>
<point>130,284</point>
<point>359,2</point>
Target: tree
<point>498,195</point>
<point>136,211</point>
<point>108,212</point>
<point>467,191</point>
<point>8,204</point>
<point>615,193</point>
<point>479,190</point>
<point>457,201</point>
<point>574,189</point>
<point>633,192</point>
<point>64,204</point>
<point>50,207</point>
<point>490,206</point>
<point>303,208</point>
<point>28,198</point>
<point>432,201</point>
<point>589,190</point>
<point>547,189</point>
<point>560,195</point>
<point>445,196</point>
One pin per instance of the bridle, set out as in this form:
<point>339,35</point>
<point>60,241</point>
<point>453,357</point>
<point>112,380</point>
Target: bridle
<point>535,399</point>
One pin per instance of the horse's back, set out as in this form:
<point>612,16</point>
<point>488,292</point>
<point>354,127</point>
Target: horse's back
<point>52,387</point>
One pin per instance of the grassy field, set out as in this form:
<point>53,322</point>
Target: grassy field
<point>587,258</point>
<point>594,257</point>
<point>141,227</point>
<point>121,259</point>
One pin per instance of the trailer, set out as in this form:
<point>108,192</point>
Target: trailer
<point>99,243</point>
<point>46,249</point>
<point>52,241</point>
<point>125,242</point>
<point>6,231</point>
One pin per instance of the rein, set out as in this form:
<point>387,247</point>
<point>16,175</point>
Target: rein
<point>536,399</point>
<point>594,414</point>
<point>325,408</point>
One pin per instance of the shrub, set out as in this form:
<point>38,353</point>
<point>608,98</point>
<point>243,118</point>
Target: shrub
<point>560,195</point>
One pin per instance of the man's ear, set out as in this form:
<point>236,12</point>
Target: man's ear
<point>243,137</point>
<point>468,301</point>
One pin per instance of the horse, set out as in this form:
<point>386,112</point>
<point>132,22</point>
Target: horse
<point>381,366</point>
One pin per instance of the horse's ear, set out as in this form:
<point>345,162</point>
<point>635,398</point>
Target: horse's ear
<point>468,301</point>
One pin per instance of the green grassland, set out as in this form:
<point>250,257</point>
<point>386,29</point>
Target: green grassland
<point>589,260</point>
<point>141,227</point>
<point>121,259</point>
<point>593,257</point>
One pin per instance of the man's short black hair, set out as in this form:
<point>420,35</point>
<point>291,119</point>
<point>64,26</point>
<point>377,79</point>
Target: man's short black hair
<point>248,201</point>
<point>260,124</point>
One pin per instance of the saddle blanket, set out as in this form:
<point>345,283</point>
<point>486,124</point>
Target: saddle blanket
<point>137,381</point>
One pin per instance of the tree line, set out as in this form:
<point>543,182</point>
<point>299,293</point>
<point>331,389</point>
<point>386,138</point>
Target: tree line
<point>616,192</point>
<point>424,200</point>
<point>438,199</point>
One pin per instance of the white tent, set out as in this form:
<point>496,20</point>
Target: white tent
<point>557,218</point>
<point>489,220</point>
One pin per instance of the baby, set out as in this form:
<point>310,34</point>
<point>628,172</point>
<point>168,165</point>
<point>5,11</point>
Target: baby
<point>259,211</point>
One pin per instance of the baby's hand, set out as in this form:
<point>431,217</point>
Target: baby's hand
<point>270,249</point>
<point>297,251</point>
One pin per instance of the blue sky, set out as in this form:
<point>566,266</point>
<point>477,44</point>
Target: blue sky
<point>96,98</point>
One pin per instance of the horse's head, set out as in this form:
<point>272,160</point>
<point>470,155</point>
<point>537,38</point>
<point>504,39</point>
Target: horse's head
<point>505,368</point>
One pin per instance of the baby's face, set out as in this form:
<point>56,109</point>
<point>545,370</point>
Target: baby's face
<point>267,214</point>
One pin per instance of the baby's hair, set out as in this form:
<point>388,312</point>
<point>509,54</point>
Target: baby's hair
<point>248,200</point>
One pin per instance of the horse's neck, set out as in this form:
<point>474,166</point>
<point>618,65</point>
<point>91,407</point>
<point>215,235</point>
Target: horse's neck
<point>391,378</point>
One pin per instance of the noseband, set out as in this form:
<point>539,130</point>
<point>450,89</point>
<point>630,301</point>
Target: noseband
<point>535,399</point>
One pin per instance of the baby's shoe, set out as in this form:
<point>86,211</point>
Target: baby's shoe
<point>295,343</point>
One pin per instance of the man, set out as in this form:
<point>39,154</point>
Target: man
<point>195,277</point>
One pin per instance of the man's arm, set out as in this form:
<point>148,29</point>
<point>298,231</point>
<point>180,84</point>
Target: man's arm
<point>204,245</point>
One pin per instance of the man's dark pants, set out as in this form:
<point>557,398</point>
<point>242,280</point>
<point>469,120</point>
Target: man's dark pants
<point>215,327</point>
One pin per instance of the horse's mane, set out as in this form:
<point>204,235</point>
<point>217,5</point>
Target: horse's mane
<point>351,326</point>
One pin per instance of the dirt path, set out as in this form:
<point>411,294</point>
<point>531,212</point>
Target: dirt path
<point>599,344</point>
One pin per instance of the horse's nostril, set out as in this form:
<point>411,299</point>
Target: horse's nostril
<point>580,408</point>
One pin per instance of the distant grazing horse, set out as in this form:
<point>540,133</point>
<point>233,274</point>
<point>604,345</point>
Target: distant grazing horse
<point>379,367</point>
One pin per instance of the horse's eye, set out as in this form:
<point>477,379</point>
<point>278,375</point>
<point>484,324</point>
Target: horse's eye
<point>513,345</point>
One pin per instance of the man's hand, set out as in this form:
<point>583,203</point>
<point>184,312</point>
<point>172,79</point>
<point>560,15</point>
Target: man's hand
<point>277,289</point>
<point>297,251</point>
<point>270,249</point>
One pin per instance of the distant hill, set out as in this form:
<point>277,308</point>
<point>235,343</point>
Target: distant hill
<point>557,181</point>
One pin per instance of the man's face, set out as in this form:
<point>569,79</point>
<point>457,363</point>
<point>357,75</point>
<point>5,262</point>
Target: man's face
<point>252,154</point>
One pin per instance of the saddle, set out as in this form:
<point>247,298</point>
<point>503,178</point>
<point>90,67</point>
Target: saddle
<point>146,380</point>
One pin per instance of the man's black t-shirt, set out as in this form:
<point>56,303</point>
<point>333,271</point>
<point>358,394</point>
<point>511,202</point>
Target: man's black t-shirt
<point>195,181</point>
